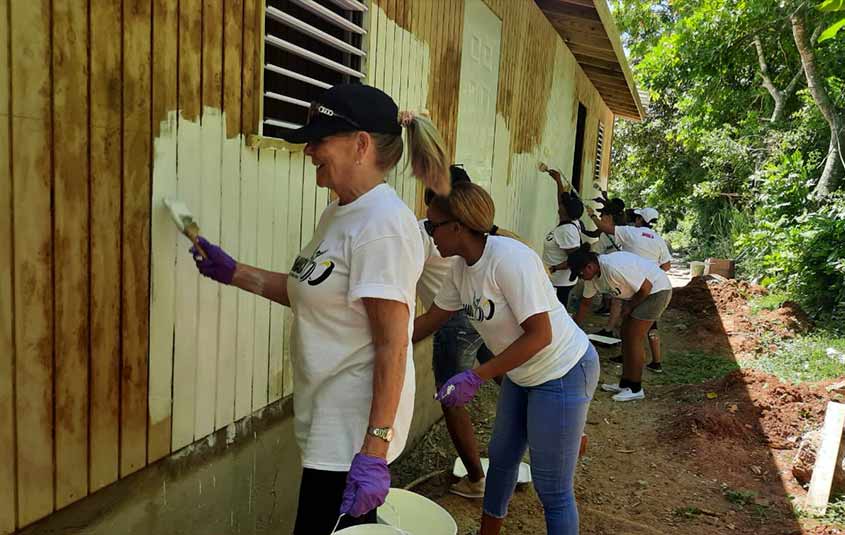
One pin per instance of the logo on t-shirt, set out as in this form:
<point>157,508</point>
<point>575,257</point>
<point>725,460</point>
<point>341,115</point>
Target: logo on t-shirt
<point>480,309</point>
<point>648,235</point>
<point>307,269</point>
<point>550,236</point>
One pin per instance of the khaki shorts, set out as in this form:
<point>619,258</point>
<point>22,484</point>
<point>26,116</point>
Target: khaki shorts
<point>652,308</point>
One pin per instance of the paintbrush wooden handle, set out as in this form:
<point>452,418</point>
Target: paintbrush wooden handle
<point>193,232</point>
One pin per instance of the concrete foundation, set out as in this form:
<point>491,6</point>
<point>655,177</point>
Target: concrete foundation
<point>241,480</point>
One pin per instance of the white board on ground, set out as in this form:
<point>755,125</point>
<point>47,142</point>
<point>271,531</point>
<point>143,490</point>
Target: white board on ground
<point>819,493</point>
<point>523,476</point>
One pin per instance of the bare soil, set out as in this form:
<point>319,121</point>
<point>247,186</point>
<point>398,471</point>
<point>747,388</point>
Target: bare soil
<point>711,458</point>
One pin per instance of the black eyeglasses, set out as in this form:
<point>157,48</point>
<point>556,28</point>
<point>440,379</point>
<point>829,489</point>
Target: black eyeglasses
<point>318,109</point>
<point>430,227</point>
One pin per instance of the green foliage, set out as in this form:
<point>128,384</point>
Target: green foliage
<point>727,181</point>
<point>833,29</point>
<point>804,359</point>
<point>694,367</point>
<point>739,497</point>
<point>771,301</point>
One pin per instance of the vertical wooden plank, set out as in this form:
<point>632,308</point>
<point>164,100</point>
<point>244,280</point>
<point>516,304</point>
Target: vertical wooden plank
<point>7,347</point>
<point>188,184</point>
<point>295,222</point>
<point>33,287</point>
<point>400,79</point>
<point>264,259</point>
<point>251,40</point>
<point>211,138</point>
<point>371,18</point>
<point>106,114</point>
<point>310,211</point>
<point>321,195</point>
<point>819,492</point>
<point>246,301</point>
<point>70,204</point>
<point>229,210</point>
<point>164,236</point>
<point>381,48</point>
<point>280,242</point>
<point>136,233</point>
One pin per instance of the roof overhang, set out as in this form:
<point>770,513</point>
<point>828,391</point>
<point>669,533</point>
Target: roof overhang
<point>590,33</point>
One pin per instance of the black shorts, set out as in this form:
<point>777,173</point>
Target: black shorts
<point>320,496</point>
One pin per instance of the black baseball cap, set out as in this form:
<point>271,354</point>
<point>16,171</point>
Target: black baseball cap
<point>347,108</point>
<point>578,260</point>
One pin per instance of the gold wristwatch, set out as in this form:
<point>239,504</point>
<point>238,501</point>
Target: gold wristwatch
<point>384,433</point>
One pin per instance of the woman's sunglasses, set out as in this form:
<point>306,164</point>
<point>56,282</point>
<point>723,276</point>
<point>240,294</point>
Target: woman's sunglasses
<point>318,109</point>
<point>430,227</point>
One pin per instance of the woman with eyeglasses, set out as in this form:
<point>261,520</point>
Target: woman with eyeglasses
<point>457,345</point>
<point>551,368</point>
<point>352,292</point>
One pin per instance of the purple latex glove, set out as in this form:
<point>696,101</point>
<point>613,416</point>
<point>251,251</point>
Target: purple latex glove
<point>460,389</point>
<point>367,485</point>
<point>218,266</point>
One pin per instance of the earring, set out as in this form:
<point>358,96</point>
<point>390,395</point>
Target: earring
<point>358,162</point>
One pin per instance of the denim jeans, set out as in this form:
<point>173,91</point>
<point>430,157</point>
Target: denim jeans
<point>548,419</point>
<point>457,345</point>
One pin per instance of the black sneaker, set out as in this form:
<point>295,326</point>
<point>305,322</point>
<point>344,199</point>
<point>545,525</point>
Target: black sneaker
<point>655,367</point>
<point>618,359</point>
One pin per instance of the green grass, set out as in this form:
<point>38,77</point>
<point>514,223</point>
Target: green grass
<point>834,515</point>
<point>693,367</point>
<point>739,497</point>
<point>771,301</point>
<point>803,359</point>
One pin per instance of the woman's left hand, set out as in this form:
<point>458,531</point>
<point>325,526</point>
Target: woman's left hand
<point>367,485</point>
<point>460,389</point>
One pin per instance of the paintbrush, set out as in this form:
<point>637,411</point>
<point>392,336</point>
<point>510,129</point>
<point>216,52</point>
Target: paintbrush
<point>185,222</point>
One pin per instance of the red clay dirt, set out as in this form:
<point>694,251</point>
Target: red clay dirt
<point>707,459</point>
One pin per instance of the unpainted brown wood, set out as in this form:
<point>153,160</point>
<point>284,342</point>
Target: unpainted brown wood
<point>251,70</point>
<point>106,89</point>
<point>581,50</point>
<point>233,43</point>
<point>135,257</point>
<point>7,342</point>
<point>555,7</point>
<point>71,260</point>
<point>32,183</point>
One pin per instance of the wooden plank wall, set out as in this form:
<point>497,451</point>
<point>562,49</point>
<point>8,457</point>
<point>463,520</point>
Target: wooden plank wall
<point>114,352</point>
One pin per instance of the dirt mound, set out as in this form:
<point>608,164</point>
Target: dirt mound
<point>751,406</point>
<point>723,321</point>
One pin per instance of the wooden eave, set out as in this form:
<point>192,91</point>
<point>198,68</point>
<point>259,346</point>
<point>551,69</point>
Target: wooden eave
<point>590,33</point>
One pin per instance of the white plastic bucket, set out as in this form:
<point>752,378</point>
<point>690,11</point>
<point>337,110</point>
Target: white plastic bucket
<point>415,515</point>
<point>696,268</point>
<point>371,529</point>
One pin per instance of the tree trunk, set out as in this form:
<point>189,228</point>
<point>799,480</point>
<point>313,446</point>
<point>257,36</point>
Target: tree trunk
<point>779,96</point>
<point>834,167</point>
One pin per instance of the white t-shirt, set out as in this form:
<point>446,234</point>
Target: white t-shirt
<point>435,270</point>
<point>562,237</point>
<point>370,247</point>
<point>504,288</point>
<point>622,275</point>
<point>606,244</point>
<point>643,241</point>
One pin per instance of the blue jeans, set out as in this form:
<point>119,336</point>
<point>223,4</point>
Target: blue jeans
<point>456,347</point>
<point>548,419</point>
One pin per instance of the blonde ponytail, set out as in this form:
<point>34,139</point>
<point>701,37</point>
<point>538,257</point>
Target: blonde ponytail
<point>473,207</point>
<point>428,158</point>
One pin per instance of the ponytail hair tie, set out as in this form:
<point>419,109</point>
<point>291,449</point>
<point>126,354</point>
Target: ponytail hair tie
<point>494,230</point>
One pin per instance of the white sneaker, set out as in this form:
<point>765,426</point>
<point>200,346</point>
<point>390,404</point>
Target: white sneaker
<point>626,395</point>
<point>607,387</point>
